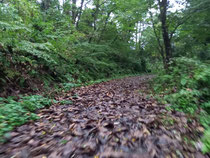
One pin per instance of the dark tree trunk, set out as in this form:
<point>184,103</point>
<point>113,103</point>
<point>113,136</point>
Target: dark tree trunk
<point>95,17</point>
<point>45,5</point>
<point>163,18</point>
<point>74,11</point>
<point>95,14</point>
<point>79,13</point>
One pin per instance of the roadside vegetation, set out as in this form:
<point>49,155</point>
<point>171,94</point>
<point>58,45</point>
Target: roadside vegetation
<point>48,47</point>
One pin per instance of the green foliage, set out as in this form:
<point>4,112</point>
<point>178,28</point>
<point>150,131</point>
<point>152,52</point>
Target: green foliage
<point>206,106</point>
<point>204,119</point>
<point>206,142</point>
<point>45,43</point>
<point>69,86</point>
<point>185,85</point>
<point>15,112</point>
<point>39,43</point>
<point>31,103</point>
<point>101,61</point>
<point>39,50</point>
<point>184,100</point>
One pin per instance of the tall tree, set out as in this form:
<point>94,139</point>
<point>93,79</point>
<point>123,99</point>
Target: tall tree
<point>163,6</point>
<point>79,13</point>
<point>74,11</point>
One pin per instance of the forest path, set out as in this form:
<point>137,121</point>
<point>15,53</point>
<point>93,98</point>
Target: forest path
<point>110,119</point>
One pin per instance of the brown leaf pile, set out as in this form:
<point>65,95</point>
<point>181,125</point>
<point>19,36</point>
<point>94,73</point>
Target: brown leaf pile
<point>108,120</point>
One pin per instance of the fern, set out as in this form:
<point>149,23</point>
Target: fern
<point>12,27</point>
<point>39,50</point>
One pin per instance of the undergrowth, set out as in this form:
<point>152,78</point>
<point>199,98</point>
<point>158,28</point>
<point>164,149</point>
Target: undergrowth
<point>15,111</point>
<point>186,87</point>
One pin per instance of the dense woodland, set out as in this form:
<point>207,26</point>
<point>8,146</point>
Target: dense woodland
<point>48,47</point>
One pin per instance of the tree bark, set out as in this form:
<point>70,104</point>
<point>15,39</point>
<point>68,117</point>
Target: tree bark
<point>163,18</point>
<point>95,14</point>
<point>79,13</point>
<point>74,11</point>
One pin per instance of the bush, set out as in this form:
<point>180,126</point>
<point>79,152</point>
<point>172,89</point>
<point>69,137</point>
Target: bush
<point>184,100</point>
<point>186,86</point>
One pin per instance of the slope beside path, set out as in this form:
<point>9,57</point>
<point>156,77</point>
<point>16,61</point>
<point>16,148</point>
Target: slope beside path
<point>115,119</point>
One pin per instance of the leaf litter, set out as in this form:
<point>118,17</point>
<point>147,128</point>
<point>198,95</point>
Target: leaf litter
<point>106,120</point>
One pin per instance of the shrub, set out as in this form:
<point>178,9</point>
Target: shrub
<point>186,86</point>
<point>184,100</point>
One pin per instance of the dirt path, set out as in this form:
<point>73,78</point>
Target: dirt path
<point>111,119</point>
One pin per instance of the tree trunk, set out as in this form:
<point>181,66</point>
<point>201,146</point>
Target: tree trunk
<point>95,14</point>
<point>45,5</point>
<point>80,13</point>
<point>74,11</point>
<point>95,17</point>
<point>167,42</point>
